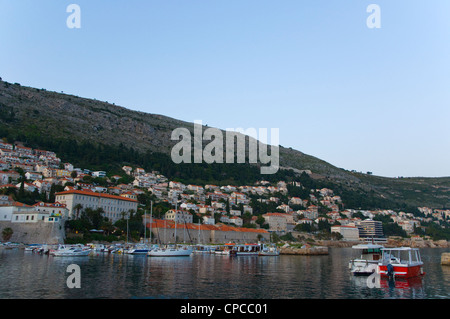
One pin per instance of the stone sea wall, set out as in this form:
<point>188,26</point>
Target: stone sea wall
<point>35,233</point>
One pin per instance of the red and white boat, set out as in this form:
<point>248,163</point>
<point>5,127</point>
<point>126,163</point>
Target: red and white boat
<point>402,262</point>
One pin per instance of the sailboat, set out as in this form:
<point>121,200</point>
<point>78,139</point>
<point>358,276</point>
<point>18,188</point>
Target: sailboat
<point>141,249</point>
<point>172,250</point>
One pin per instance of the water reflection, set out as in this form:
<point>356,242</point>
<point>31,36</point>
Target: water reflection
<point>28,275</point>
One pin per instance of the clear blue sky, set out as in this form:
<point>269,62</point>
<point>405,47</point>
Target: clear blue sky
<point>365,99</point>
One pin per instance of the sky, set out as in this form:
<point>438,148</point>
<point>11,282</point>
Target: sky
<point>360,98</point>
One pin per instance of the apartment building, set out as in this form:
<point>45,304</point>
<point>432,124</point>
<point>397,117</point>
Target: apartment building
<point>113,206</point>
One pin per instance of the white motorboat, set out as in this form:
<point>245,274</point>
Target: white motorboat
<point>224,250</point>
<point>171,251</point>
<point>269,250</point>
<point>139,249</point>
<point>33,247</point>
<point>367,262</point>
<point>70,251</point>
<point>246,250</point>
<point>204,249</point>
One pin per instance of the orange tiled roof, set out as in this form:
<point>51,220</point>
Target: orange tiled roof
<point>161,223</point>
<point>90,193</point>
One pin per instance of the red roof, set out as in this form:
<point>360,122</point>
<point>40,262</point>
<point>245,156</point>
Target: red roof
<point>162,223</point>
<point>90,193</point>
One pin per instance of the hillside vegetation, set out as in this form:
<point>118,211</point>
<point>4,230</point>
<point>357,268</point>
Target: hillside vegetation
<point>100,135</point>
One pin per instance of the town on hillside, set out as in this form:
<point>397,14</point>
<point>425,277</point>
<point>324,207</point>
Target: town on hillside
<point>37,187</point>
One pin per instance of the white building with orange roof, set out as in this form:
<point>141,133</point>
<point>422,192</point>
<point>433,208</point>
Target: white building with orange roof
<point>113,206</point>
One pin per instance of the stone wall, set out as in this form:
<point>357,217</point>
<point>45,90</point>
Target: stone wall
<point>167,235</point>
<point>35,233</point>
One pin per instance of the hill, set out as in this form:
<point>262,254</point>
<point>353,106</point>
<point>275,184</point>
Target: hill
<point>97,134</point>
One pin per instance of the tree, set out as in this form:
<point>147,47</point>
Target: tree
<point>78,207</point>
<point>7,233</point>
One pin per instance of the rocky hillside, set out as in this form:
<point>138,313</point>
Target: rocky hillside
<point>28,111</point>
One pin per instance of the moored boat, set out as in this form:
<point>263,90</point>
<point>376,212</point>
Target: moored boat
<point>367,262</point>
<point>402,262</point>
<point>246,250</point>
<point>224,250</point>
<point>171,251</point>
<point>139,249</point>
<point>269,250</point>
<point>70,251</point>
<point>204,249</point>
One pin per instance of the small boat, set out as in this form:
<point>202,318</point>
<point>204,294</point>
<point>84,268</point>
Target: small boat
<point>70,251</point>
<point>204,249</point>
<point>98,248</point>
<point>402,262</point>
<point>171,251</point>
<point>367,263</point>
<point>11,245</point>
<point>246,250</point>
<point>33,247</point>
<point>269,250</point>
<point>139,249</point>
<point>224,250</point>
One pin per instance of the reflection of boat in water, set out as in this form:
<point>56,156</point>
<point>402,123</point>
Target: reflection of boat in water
<point>404,262</point>
<point>367,262</point>
<point>269,250</point>
<point>403,283</point>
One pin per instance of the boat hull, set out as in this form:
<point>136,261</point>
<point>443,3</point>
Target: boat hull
<point>71,254</point>
<point>170,253</point>
<point>139,252</point>
<point>402,271</point>
<point>361,267</point>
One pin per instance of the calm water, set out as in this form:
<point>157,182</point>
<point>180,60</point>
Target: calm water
<point>27,275</point>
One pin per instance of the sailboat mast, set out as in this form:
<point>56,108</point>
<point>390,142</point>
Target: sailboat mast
<point>176,216</point>
<point>151,220</point>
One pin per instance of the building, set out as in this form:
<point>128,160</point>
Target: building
<point>276,221</point>
<point>180,216</point>
<point>53,210</point>
<point>348,232</point>
<point>114,207</point>
<point>370,229</point>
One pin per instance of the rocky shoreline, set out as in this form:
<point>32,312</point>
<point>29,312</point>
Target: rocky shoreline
<point>391,243</point>
<point>304,250</point>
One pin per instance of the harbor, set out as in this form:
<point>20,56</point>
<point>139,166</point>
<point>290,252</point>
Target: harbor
<point>121,275</point>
